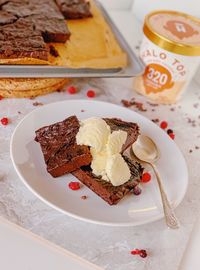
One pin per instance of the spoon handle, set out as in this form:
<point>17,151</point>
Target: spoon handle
<point>170,217</point>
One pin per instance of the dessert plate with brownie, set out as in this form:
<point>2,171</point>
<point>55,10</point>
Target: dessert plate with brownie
<point>74,155</point>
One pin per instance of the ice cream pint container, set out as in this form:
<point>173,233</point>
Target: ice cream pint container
<point>170,51</point>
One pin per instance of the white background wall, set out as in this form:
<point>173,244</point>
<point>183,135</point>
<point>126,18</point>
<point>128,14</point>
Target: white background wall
<point>142,7</point>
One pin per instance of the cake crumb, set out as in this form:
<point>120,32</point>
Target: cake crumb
<point>37,103</point>
<point>155,120</point>
<point>132,102</point>
<point>84,197</point>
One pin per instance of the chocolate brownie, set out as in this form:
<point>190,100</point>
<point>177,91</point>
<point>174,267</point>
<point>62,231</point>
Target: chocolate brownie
<point>19,39</point>
<point>52,29</point>
<point>25,26</point>
<point>74,9</point>
<point>58,143</point>
<point>6,17</point>
<point>111,194</point>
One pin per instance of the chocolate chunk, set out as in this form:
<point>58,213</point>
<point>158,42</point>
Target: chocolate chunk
<point>74,9</point>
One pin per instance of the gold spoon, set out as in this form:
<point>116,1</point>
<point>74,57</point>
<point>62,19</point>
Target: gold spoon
<point>146,150</point>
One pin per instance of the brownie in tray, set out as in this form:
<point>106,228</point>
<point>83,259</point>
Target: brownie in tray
<point>27,25</point>
<point>62,155</point>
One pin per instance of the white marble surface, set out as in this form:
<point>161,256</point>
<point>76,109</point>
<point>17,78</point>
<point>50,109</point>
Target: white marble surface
<point>106,246</point>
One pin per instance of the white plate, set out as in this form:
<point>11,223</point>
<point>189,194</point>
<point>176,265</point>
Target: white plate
<point>132,210</point>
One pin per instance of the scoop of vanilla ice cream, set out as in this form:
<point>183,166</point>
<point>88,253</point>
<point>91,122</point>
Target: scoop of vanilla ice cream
<point>115,142</point>
<point>99,160</point>
<point>93,132</point>
<point>117,170</point>
<point>105,148</point>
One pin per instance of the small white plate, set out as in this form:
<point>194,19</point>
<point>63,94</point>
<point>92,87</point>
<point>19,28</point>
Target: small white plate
<point>132,210</point>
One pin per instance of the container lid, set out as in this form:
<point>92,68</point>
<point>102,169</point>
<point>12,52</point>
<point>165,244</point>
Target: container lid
<point>174,31</point>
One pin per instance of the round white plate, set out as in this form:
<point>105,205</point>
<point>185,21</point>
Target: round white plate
<point>132,210</point>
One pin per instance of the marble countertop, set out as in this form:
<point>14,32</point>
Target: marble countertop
<point>108,247</point>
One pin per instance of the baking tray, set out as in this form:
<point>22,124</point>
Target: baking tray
<point>135,66</point>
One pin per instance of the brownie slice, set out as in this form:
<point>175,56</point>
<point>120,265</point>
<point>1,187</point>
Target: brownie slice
<point>106,190</point>
<point>33,7</point>
<point>74,9</point>
<point>20,39</point>
<point>52,29</point>
<point>6,17</point>
<point>58,143</point>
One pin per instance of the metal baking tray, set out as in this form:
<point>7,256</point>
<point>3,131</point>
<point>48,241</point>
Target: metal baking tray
<point>135,66</point>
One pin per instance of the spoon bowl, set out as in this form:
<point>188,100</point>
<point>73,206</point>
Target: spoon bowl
<point>145,149</point>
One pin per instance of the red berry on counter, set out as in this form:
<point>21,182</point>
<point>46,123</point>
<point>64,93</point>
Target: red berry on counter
<point>91,93</point>
<point>172,136</point>
<point>74,185</point>
<point>137,191</point>
<point>1,97</point>
<point>135,252</point>
<point>163,124</point>
<point>72,90</point>
<point>143,253</point>
<point>4,121</point>
<point>146,177</point>
<point>169,131</point>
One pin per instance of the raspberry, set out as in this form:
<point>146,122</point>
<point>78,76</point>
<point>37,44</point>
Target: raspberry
<point>146,177</point>
<point>163,124</point>
<point>91,93</point>
<point>72,90</point>
<point>4,121</point>
<point>137,191</point>
<point>74,185</point>
<point>135,252</point>
<point>1,97</point>
<point>143,253</point>
<point>172,136</point>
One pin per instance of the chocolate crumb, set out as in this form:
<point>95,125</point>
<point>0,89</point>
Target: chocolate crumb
<point>84,197</point>
<point>197,147</point>
<point>37,103</point>
<point>19,112</point>
<point>126,103</point>
<point>152,104</point>
<point>155,120</point>
<point>172,109</point>
<point>82,110</point>
<point>190,151</point>
<point>53,51</point>
<point>132,102</point>
<point>196,105</point>
<point>169,131</point>
<point>153,110</point>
